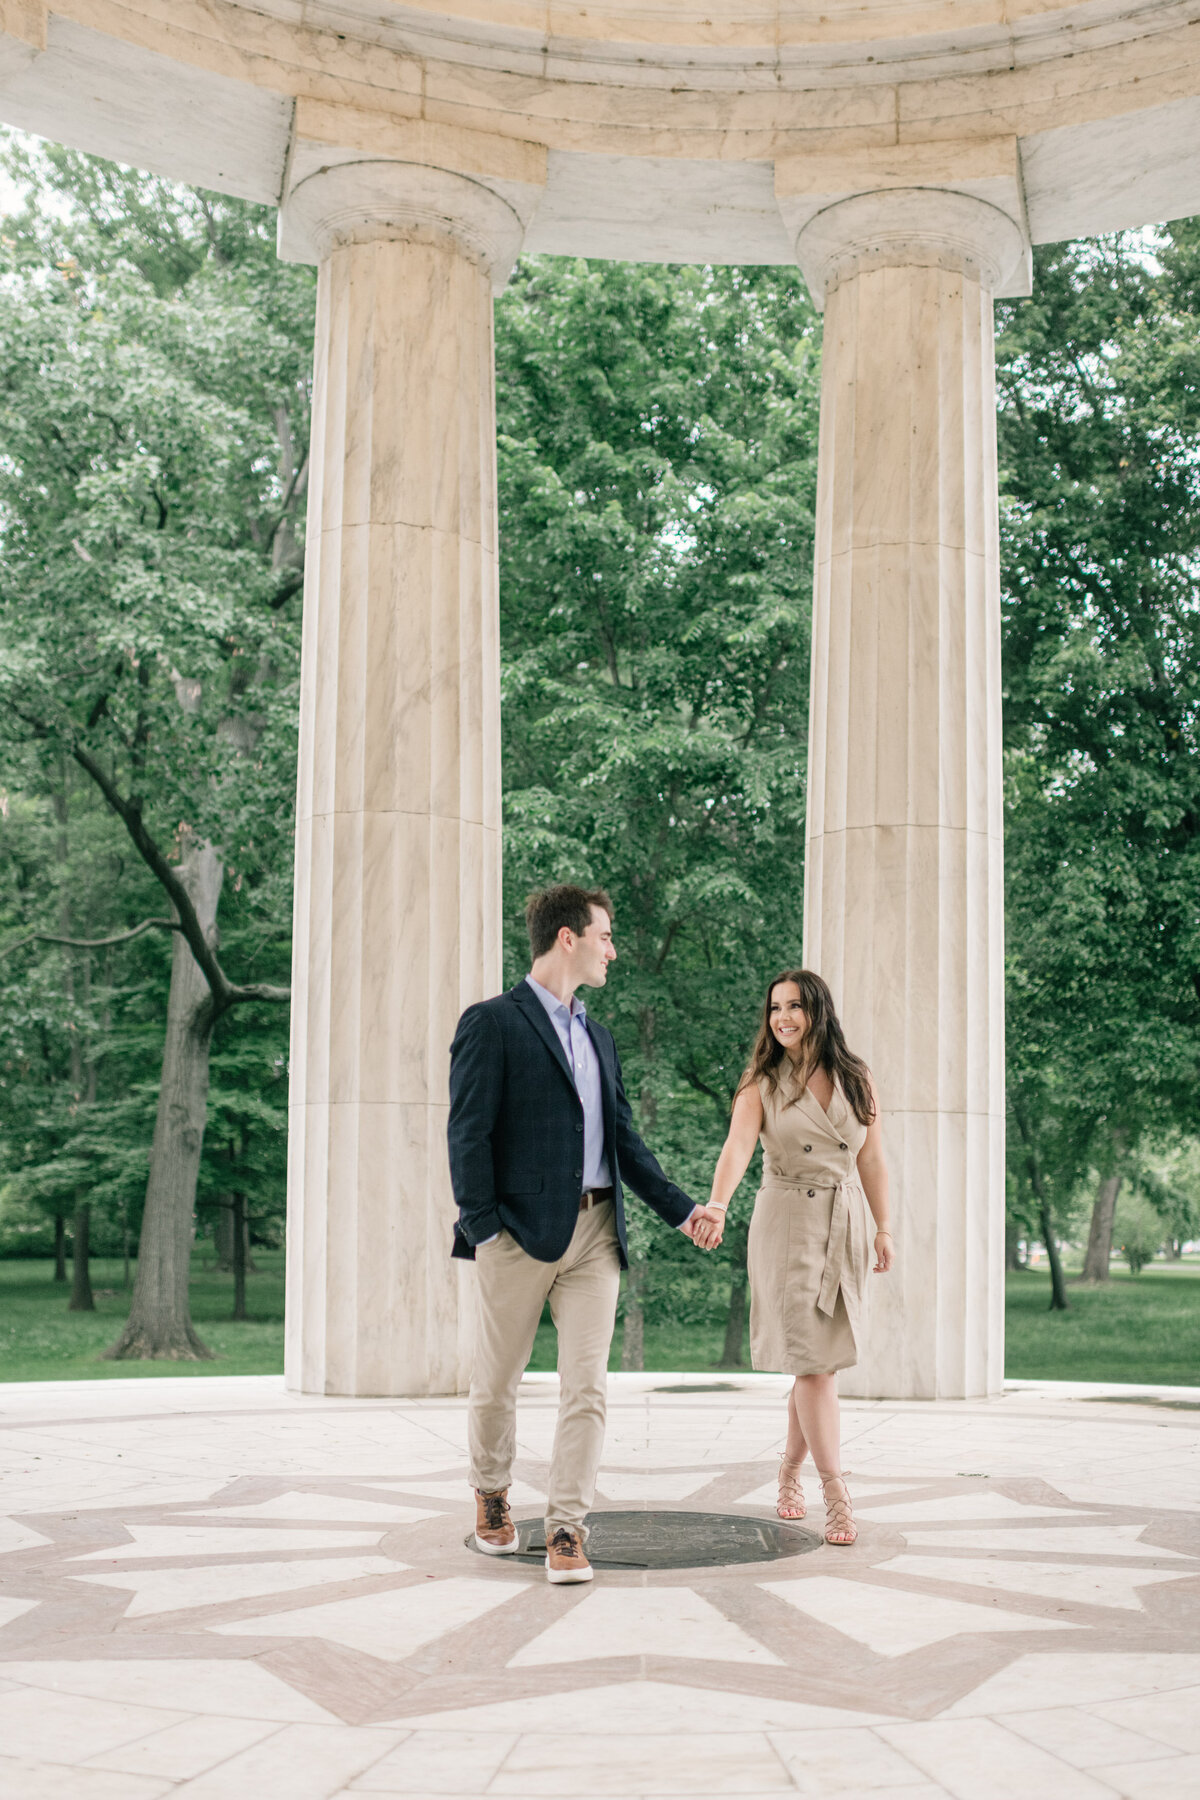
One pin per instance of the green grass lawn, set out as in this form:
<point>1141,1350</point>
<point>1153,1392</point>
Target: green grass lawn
<point>1143,1328</point>
<point>41,1341</point>
<point>1133,1328</point>
<point>689,1348</point>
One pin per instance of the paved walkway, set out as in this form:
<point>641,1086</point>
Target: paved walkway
<point>213,1589</point>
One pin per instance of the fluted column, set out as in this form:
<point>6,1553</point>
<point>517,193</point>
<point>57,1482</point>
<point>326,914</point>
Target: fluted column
<point>903,874</point>
<point>397,911</point>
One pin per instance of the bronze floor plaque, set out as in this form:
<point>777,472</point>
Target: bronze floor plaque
<point>673,1540</point>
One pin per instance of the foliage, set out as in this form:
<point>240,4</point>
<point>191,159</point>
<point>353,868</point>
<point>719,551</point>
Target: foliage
<point>1139,1230</point>
<point>657,475</point>
<point>1169,1176</point>
<point>154,424</point>
<point>1097,378</point>
<point>657,460</point>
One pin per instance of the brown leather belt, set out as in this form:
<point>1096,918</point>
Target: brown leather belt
<point>595,1197</point>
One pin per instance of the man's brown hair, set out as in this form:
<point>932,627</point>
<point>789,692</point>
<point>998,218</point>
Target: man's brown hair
<point>547,911</point>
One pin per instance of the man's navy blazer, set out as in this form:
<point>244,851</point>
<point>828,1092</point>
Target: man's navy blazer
<point>516,1131</point>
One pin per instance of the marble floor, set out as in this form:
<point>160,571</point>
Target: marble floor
<point>211,1588</point>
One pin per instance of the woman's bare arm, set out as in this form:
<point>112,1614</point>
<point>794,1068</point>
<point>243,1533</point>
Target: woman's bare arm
<point>873,1173</point>
<point>744,1126</point>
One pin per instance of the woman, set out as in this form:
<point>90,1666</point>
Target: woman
<point>812,1102</point>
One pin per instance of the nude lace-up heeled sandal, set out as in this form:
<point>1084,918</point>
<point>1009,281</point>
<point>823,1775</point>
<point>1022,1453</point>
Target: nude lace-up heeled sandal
<point>839,1515</point>
<point>790,1504</point>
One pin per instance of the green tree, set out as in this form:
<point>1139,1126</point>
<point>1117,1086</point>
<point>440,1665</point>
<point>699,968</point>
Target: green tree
<point>1097,378</point>
<point>156,361</point>
<point>657,475</point>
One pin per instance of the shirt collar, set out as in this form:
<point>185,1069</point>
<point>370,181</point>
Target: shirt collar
<point>552,1003</point>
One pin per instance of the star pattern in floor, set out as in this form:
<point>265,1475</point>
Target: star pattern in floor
<point>216,1589</point>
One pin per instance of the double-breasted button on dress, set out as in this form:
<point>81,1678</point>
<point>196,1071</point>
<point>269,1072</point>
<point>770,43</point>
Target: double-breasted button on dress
<point>810,1238</point>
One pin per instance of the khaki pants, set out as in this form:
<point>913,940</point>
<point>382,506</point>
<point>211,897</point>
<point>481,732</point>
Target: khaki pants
<point>511,1290</point>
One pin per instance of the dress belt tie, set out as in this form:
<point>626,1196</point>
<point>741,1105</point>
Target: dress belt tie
<point>835,1251</point>
<point>835,1243</point>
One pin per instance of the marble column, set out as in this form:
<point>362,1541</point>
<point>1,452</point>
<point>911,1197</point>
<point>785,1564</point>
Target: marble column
<point>397,910</point>
<point>903,875</point>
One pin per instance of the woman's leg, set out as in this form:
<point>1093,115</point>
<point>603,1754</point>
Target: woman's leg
<point>796,1448</point>
<point>819,1417</point>
<point>790,1504</point>
<point>814,1406</point>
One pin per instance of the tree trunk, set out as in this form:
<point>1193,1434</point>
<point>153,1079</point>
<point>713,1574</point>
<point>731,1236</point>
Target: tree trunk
<point>1100,1234</point>
<point>633,1341</point>
<point>84,1085</point>
<point>125,1243</point>
<point>160,1323</point>
<point>238,1215</point>
<point>223,1233</point>
<point>1012,1246</point>
<point>60,1247</point>
<point>81,1283</point>
<point>1058,1287</point>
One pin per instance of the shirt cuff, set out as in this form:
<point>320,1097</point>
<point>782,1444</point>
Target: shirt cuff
<point>483,1241</point>
<point>684,1223</point>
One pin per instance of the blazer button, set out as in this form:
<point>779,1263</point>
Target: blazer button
<point>579,1174</point>
<point>812,1193</point>
<point>843,1146</point>
<point>579,1129</point>
<point>807,1147</point>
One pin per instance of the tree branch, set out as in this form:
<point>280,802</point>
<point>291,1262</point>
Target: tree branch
<point>289,585</point>
<point>121,937</point>
<point>225,993</point>
<point>258,990</point>
<point>720,1101</point>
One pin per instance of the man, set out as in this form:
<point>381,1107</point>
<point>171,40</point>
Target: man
<point>541,1141</point>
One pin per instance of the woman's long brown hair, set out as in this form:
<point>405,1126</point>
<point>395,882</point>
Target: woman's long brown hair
<point>823,1046</point>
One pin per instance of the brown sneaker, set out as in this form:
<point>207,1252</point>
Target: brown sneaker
<point>565,1560</point>
<point>495,1533</point>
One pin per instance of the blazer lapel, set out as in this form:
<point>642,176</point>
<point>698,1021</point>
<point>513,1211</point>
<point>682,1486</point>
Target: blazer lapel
<point>536,1013</point>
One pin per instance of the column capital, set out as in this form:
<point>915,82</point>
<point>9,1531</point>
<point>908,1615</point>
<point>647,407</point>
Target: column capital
<point>912,227</point>
<point>354,176</point>
<point>956,203</point>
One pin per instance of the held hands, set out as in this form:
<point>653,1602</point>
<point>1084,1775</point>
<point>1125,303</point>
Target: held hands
<point>706,1227</point>
<point>885,1252</point>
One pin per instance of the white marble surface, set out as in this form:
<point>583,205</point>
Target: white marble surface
<point>1094,1585</point>
<point>975,1666</point>
<point>903,898</point>
<point>393,1624</point>
<point>188,1539</point>
<point>177,1590</point>
<point>1078,1540</point>
<point>895,1621</point>
<point>398,807</point>
<point>344,1508</point>
<point>655,1622</point>
<point>659,124</point>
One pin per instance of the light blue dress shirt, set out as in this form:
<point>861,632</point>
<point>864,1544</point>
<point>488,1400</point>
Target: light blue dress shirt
<point>570,1024</point>
<point>580,1052</point>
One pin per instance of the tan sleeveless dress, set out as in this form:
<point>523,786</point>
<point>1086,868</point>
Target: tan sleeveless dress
<point>810,1237</point>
